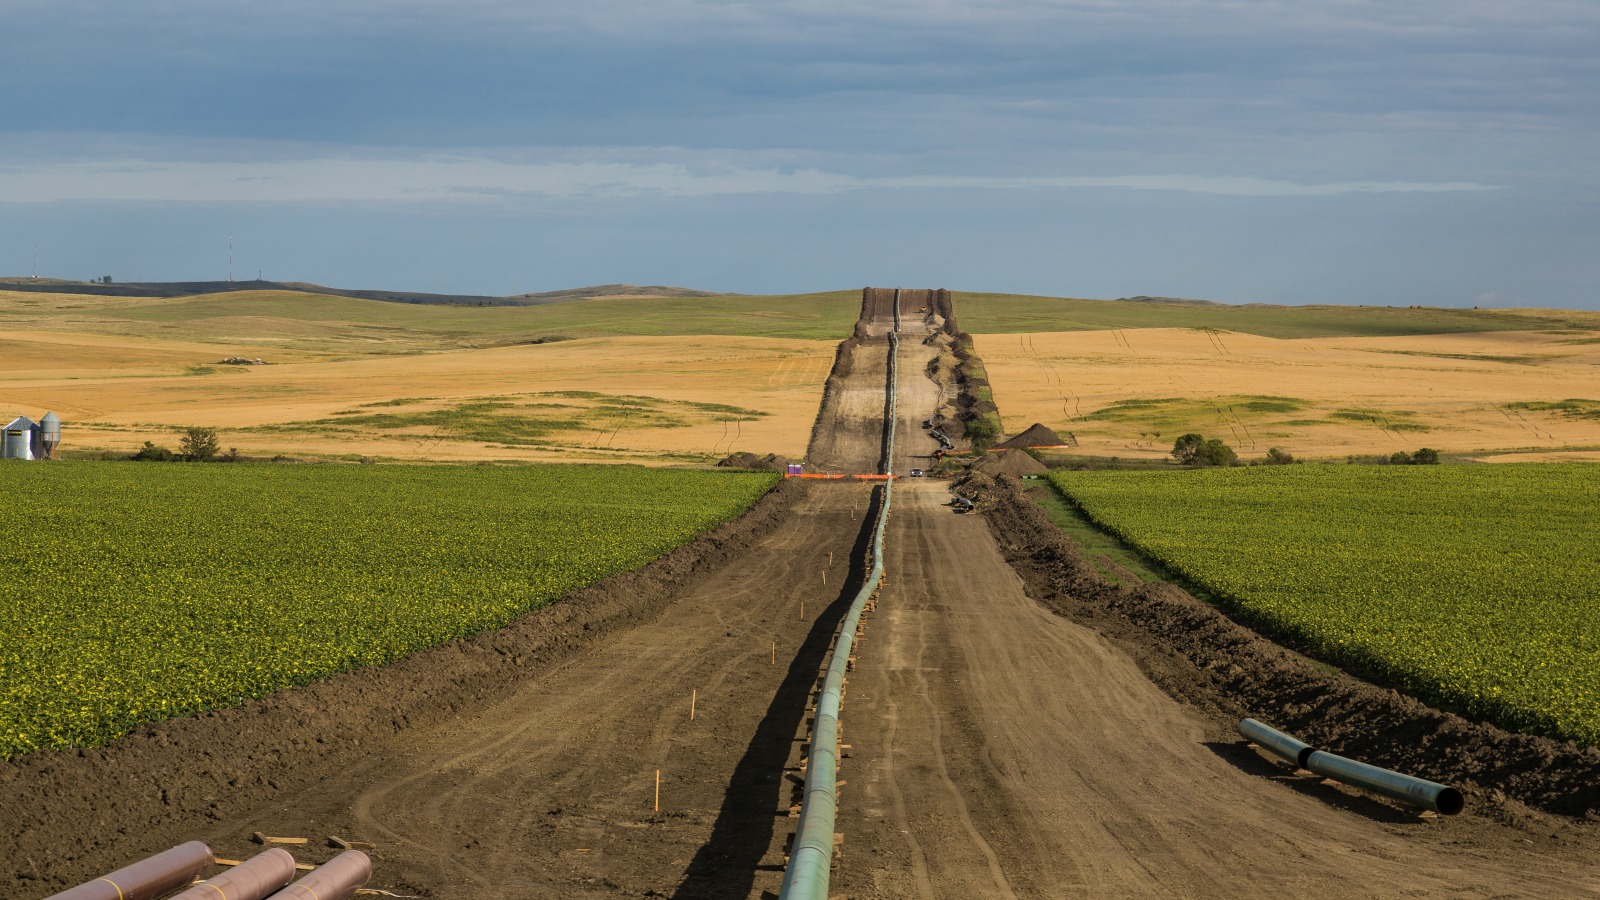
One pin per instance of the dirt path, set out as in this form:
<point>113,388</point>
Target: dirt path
<point>848,438</point>
<point>1003,751</point>
<point>549,791</point>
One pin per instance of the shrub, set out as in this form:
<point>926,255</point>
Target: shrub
<point>150,452</point>
<point>1199,451</point>
<point>199,444</point>
<point>1277,456</point>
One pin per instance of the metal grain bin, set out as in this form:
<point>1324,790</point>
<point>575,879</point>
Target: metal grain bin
<point>49,436</point>
<point>17,441</point>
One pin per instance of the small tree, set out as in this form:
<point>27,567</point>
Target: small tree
<point>1278,456</point>
<point>1427,456</point>
<point>1185,448</point>
<point>199,444</point>
<point>1215,453</point>
<point>1198,450</point>
<point>1400,458</point>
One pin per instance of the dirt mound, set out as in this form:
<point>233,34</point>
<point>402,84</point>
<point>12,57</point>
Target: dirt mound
<point>1195,652</point>
<point>772,462</point>
<point>1008,462</point>
<point>1036,436</point>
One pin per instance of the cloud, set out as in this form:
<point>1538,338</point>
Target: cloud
<point>460,179</point>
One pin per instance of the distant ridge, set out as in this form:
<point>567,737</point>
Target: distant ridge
<point>1183,300</point>
<point>157,289</point>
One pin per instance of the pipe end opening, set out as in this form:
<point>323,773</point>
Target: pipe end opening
<point>1451,803</point>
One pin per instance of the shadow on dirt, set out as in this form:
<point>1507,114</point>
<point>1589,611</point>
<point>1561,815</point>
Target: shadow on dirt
<point>727,864</point>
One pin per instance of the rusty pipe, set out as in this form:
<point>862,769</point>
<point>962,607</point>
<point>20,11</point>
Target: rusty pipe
<point>337,879</point>
<point>149,878</point>
<point>254,879</point>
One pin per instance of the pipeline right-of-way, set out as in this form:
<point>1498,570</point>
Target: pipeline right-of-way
<point>811,854</point>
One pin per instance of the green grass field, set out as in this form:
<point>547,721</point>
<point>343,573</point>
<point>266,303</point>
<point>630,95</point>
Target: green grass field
<point>352,322</point>
<point>137,592</point>
<point>1474,587</point>
<point>981,313</point>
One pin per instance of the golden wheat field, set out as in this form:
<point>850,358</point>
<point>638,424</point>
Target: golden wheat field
<point>1131,392</point>
<point>638,399</point>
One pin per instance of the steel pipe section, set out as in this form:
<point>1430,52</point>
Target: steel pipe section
<point>254,879</point>
<point>1290,748</point>
<point>1440,798</point>
<point>149,878</point>
<point>337,879</point>
<point>811,854</point>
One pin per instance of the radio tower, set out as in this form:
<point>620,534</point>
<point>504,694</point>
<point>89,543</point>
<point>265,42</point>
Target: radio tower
<point>230,256</point>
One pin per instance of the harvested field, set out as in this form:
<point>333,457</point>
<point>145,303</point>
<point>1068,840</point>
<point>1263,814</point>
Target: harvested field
<point>1130,393</point>
<point>626,399</point>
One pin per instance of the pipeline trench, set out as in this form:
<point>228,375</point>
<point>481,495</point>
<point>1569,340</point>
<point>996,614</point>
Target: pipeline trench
<point>996,749</point>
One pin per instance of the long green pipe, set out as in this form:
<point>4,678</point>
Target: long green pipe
<point>811,854</point>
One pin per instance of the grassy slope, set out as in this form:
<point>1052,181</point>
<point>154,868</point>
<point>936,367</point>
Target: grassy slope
<point>1012,313</point>
<point>808,316</point>
<point>822,316</point>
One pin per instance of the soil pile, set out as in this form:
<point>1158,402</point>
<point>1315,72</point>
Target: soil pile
<point>772,462</point>
<point>1036,436</point>
<point>1008,462</point>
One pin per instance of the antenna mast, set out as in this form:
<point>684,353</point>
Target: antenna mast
<point>230,256</point>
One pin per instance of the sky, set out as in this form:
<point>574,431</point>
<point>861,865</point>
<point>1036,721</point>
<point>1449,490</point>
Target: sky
<point>1435,152</point>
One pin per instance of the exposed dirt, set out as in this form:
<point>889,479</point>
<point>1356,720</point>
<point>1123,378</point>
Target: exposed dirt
<point>300,760</point>
<point>1036,435</point>
<point>1001,750</point>
<point>848,437</point>
<point>1194,650</point>
<point>1008,462</point>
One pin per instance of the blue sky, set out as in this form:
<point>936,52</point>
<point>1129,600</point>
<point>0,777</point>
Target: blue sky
<point>1337,151</point>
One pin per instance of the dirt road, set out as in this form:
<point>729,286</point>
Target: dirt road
<point>848,439</point>
<point>1003,751</point>
<point>550,791</point>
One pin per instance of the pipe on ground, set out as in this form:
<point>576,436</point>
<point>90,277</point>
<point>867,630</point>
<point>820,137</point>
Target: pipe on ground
<point>811,855</point>
<point>149,878</point>
<point>1440,798</point>
<point>337,879</point>
<point>254,879</point>
<point>1290,748</point>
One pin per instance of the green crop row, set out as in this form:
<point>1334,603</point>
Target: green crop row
<point>1474,587</point>
<point>141,592</point>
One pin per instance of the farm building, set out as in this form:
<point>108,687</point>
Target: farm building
<point>23,438</point>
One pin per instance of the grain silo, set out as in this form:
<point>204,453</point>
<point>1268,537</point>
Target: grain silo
<point>18,440</point>
<point>49,435</point>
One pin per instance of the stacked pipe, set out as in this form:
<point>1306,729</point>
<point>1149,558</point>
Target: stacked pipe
<point>811,854</point>
<point>265,876</point>
<point>1430,795</point>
